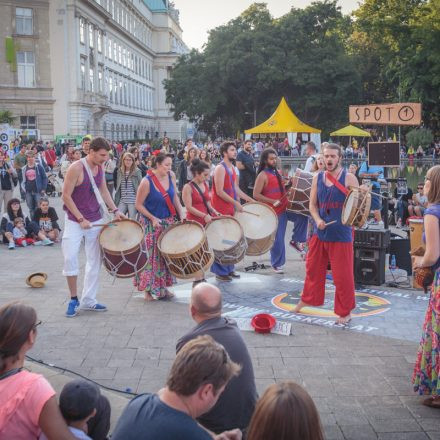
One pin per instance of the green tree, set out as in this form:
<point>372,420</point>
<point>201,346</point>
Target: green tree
<point>419,136</point>
<point>6,117</point>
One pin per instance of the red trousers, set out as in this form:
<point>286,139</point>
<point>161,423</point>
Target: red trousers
<point>19,241</point>
<point>340,256</point>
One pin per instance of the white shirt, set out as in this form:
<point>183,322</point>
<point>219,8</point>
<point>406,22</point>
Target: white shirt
<point>309,163</point>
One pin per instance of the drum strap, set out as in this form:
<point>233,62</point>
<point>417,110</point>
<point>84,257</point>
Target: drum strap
<point>336,182</point>
<point>202,196</point>
<point>165,195</point>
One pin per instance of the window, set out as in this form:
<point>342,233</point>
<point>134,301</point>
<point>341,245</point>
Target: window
<point>125,93</point>
<point>124,58</point>
<point>100,78</point>
<point>110,88</point>
<point>28,122</point>
<point>109,49</point>
<point>82,31</point>
<point>112,6</point>
<point>91,36</point>
<point>115,52</point>
<point>116,91</point>
<point>26,69</point>
<point>99,41</point>
<point>120,53</point>
<point>120,92</point>
<point>24,21</point>
<point>132,62</point>
<point>91,79</point>
<point>82,72</point>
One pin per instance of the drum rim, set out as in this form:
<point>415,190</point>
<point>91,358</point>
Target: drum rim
<point>190,276</point>
<point>190,251</point>
<point>107,251</point>
<point>357,191</point>
<point>223,217</point>
<point>267,236</point>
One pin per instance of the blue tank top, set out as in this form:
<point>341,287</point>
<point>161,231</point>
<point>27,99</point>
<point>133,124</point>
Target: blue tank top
<point>435,211</point>
<point>330,202</point>
<point>155,203</point>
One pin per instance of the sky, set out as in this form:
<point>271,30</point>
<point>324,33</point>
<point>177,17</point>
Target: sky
<point>197,17</point>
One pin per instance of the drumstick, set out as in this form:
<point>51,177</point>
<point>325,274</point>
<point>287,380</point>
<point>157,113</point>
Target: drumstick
<point>104,224</point>
<point>330,223</point>
<point>252,213</point>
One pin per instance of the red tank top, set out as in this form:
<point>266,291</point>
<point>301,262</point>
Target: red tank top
<point>197,203</point>
<point>218,203</point>
<point>272,191</point>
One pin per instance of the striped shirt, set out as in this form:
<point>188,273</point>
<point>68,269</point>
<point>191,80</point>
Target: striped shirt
<point>128,194</point>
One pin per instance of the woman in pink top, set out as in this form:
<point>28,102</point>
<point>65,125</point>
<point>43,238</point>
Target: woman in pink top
<point>28,403</point>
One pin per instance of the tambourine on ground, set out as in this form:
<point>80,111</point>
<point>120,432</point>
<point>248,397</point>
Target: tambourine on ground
<point>123,248</point>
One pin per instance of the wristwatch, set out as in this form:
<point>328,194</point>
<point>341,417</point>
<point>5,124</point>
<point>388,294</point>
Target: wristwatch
<point>80,220</point>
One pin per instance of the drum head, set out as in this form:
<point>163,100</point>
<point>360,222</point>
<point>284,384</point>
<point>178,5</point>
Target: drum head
<point>223,233</point>
<point>181,238</point>
<point>350,201</point>
<point>261,223</point>
<point>123,236</point>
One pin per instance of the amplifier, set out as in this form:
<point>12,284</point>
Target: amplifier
<point>372,239</point>
<point>369,266</point>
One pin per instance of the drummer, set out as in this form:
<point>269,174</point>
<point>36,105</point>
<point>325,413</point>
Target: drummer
<point>225,199</point>
<point>333,242</point>
<point>270,190</point>
<point>159,207</point>
<point>195,197</point>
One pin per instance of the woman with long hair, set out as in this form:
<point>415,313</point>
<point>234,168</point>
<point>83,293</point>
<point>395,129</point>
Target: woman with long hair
<point>285,412</point>
<point>28,404</point>
<point>269,189</point>
<point>196,199</point>
<point>159,207</point>
<point>185,175</point>
<point>206,157</point>
<point>127,181</point>
<point>426,375</point>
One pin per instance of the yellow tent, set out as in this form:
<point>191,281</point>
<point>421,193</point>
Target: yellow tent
<point>282,121</point>
<point>350,130</point>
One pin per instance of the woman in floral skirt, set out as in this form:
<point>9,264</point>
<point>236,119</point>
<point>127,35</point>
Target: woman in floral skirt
<point>427,368</point>
<point>158,205</point>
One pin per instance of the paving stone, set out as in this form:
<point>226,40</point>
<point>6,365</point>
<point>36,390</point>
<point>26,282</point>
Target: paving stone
<point>358,432</point>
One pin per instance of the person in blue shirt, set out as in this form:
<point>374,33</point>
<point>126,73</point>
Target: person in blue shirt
<point>373,173</point>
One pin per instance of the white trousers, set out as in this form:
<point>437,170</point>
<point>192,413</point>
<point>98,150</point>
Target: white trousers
<point>72,238</point>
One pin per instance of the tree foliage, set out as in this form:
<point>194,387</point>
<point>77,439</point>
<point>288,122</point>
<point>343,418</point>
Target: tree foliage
<point>319,59</point>
<point>6,117</point>
<point>419,136</point>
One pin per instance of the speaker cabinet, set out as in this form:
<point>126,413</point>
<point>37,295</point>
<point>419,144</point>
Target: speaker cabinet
<point>369,266</point>
<point>400,247</point>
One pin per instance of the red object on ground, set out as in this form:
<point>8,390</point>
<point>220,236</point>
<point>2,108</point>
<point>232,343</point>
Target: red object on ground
<point>263,323</point>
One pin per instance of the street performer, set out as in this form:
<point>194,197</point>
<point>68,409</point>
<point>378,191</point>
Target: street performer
<point>83,214</point>
<point>270,190</point>
<point>333,242</point>
<point>225,199</point>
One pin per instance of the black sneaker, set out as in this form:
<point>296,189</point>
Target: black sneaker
<point>222,278</point>
<point>234,275</point>
<point>194,284</point>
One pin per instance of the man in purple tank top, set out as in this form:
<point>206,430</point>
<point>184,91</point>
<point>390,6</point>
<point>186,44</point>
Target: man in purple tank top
<point>333,242</point>
<point>82,213</point>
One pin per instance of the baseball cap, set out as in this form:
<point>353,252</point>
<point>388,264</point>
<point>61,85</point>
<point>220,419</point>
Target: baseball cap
<point>78,399</point>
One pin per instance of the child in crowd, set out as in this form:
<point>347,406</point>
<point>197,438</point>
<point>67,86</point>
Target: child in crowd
<point>20,232</point>
<point>46,218</point>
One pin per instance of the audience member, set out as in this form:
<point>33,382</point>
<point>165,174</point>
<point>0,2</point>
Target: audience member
<point>8,179</point>
<point>46,218</point>
<point>20,161</point>
<point>198,376</point>
<point>235,406</point>
<point>420,202</point>
<point>28,403</point>
<point>20,233</point>
<point>285,412</point>
<point>34,182</point>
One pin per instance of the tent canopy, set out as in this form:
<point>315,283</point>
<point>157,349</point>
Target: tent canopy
<point>282,121</point>
<point>350,130</point>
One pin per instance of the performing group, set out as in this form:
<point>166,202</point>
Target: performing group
<point>220,227</point>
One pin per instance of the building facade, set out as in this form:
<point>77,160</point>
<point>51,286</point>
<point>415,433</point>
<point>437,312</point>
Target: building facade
<point>25,74</point>
<point>104,63</point>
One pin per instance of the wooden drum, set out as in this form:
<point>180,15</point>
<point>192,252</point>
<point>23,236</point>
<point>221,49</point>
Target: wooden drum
<point>356,207</point>
<point>299,193</point>
<point>416,233</point>
<point>226,239</point>
<point>184,247</point>
<point>123,248</point>
<point>259,222</point>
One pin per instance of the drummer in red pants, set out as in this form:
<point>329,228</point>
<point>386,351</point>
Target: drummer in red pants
<point>333,243</point>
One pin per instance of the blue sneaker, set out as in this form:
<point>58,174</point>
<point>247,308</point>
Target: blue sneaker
<point>95,308</point>
<point>72,308</point>
<point>329,277</point>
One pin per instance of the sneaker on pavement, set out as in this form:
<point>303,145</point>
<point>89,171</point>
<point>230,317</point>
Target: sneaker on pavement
<point>95,308</point>
<point>24,243</point>
<point>279,270</point>
<point>226,278</point>
<point>234,274</point>
<point>297,245</point>
<point>38,243</point>
<point>11,246</point>
<point>72,308</point>
<point>47,242</point>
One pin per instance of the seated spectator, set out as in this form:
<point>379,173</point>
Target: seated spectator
<point>28,404</point>
<point>285,412</point>
<point>13,210</point>
<point>79,401</point>
<point>420,202</point>
<point>20,234</point>
<point>235,406</point>
<point>402,201</point>
<point>198,376</point>
<point>46,218</point>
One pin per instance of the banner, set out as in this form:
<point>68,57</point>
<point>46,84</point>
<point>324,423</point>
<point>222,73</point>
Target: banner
<point>407,113</point>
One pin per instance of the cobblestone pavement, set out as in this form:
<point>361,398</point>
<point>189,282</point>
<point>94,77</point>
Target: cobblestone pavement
<point>359,380</point>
